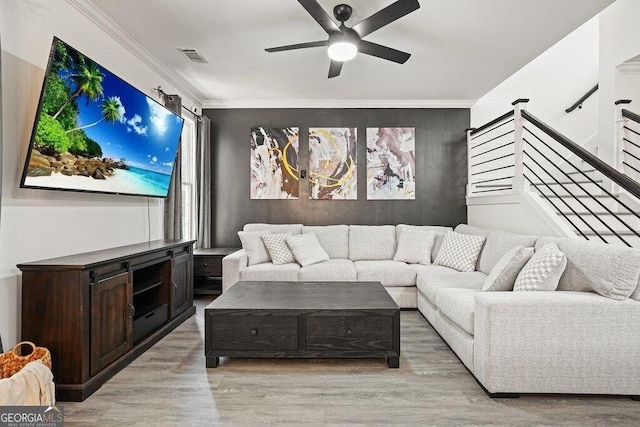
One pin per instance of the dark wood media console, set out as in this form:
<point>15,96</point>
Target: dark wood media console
<point>98,311</point>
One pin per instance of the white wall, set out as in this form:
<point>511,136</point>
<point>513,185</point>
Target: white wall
<point>619,42</point>
<point>39,224</point>
<point>553,81</point>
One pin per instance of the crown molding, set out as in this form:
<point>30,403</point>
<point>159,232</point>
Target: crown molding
<point>113,30</point>
<point>336,103</point>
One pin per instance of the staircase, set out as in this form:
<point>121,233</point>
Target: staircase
<point>517,153</point>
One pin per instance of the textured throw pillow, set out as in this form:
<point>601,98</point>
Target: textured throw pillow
<point>543,271</point>
<point>306,249</point>
<point>278,249</point>
<point>460,251</point>
<point>254,246</point>
<point>503,275</point>
<point>414,246</point>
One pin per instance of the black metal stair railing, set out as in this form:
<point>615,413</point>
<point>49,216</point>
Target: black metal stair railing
<point>518,152</point>
<point>489,166</point>
<point>549,152</point>
<point>631,143</point>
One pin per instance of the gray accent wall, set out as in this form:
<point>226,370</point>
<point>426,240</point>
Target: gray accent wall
<point>441,169</point>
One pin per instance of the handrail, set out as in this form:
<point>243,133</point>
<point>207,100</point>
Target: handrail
<point>622,180</point>
<point>491,123</point>
<point>630,115</point>
<point>578,103</point>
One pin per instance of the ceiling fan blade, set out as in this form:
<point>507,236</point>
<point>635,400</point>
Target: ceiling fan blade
<point>298,46</point>
<point>335,68</point>
<point>383,52</point>
<point>320,15</point>
<point>385,16</point>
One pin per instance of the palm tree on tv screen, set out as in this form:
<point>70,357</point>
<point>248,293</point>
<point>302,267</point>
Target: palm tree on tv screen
<point>88,80</point>
<point>110,108</point>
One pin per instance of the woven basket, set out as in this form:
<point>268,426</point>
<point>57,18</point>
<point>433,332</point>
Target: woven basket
<point>11,362</point>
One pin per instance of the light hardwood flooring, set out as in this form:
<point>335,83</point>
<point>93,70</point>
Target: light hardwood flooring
<point>170,386</point>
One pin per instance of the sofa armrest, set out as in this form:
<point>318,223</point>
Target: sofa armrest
<point>556,342</point>
<point>232,264</point>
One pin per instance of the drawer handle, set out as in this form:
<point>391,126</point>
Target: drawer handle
<point>254,332</point>
<point>349,332</point>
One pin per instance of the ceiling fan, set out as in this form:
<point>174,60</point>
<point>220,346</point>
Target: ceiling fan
<point>345,42</point>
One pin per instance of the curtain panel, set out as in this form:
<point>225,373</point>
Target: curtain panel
<point>173,203</point>
<point>204,187</point>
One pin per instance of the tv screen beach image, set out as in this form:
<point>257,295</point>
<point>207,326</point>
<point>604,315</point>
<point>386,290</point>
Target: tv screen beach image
<point>95,132</point>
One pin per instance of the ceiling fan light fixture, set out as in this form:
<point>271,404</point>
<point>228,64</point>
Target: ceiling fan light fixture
<point>342,51</point>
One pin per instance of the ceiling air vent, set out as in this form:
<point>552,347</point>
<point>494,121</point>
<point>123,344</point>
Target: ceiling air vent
<point>193,55</point>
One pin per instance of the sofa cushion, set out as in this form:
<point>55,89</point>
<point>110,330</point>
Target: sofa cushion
<point>458,306</point>
<point>414,246</point>
<point>439,230</point>
<point>274,228</point>
<point>610,270</point>
<point>277,247</point>
<point>333,270</point>
<point>460,251</point>
<point>270,272</point>
<point>387,272</point>
<point>503,275</point>
<point>333,238</point>
<point>372,242</point>
<point>499,243</point>
<point>542,272</point>
<point>430,279</point>
<point>306,249</point>
<point>253,245</point>
<point>474,231</point>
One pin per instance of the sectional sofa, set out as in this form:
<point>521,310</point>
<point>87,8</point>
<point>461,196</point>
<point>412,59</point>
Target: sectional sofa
<point>583,338</point>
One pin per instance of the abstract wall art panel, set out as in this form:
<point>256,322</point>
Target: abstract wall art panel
<point>391,164</point>
<point>332,164</point>
<point>274,163</point>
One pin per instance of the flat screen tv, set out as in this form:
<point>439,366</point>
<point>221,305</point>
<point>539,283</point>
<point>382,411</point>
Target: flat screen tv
<point>94,132</point>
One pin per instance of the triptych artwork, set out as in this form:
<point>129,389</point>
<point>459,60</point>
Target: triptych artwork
<point>333,163</point>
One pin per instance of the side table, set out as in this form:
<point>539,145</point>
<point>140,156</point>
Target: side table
<point>207,270</point>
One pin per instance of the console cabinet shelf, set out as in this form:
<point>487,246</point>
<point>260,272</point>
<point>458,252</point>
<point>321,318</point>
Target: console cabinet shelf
<point>98,311</point>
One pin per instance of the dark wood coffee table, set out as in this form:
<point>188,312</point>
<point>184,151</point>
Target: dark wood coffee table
<point>303,320</point>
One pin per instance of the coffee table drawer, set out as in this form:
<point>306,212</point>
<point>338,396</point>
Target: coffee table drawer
<point>251,332</point>
<point>349,332</point>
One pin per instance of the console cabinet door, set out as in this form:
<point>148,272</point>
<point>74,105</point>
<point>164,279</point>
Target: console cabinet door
<point>111,319</point>
<point>182,283</point>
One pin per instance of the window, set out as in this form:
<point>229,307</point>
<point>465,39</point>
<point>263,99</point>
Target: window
<point>189,179</point>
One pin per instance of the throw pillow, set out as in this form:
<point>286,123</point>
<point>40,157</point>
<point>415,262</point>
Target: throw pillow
<point>460,251</point>
<point>542,272</point>
<point>306,249</point>
<point>503,275</point>
<point>278,249</point>
<point>254,246</point>
<point>414,246</point>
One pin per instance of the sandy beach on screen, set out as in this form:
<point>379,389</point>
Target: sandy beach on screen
<point>123,181</point>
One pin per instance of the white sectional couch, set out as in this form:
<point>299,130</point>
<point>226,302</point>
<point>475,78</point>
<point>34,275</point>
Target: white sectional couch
<point>572,340</point>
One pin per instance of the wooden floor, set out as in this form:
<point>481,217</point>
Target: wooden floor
<point>170,386</point>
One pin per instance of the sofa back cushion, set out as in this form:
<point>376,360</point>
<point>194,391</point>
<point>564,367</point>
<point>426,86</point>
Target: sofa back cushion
<point>439,230</point>
<point>499,243</point>
<point>372,242</point>
<point>334,239</point>
<point>274,228</point>
<point>610,270</point>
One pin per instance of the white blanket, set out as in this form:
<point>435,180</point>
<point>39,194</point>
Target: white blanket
<point>32,386</point>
